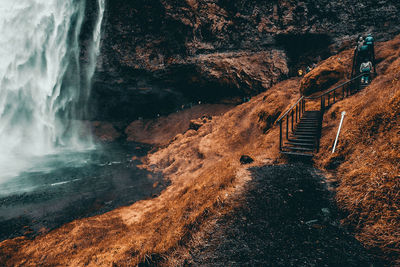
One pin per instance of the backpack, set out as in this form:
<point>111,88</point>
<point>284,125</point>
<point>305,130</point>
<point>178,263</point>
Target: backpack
<point>364,48</point>
<point>369,40</point>
<point>367,69</point>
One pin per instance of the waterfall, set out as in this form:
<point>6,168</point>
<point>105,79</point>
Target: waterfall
<point>43,87</point>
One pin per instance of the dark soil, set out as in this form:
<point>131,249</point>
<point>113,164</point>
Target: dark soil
<point>286,217</point>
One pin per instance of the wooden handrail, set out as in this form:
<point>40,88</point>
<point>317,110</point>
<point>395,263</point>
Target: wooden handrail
<point>290,109</point>
<point>316,97</point>
<point>333,89</point>
<point>299,108</point>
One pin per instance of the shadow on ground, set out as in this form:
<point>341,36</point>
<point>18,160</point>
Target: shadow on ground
<point>286,217</point>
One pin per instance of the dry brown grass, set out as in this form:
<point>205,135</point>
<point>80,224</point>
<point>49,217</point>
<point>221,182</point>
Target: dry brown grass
<point>367,162</point>
<point>327,73</point>
<point>160,131</point>
<point>204,170</point>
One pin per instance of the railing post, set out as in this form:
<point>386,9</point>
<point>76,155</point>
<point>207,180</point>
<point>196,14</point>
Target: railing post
<point>301,107</point>
<point>292,121</point>
<point>321,103</point>
<point>297,112</point>
<point>334,97</point>
<point>343,91</point>
<point>321,117</point>
<point>287,127</point>
<point>280,135</point>
<point>349,88</point>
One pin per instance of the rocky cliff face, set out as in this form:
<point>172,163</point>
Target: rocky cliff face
<point>159,54</point>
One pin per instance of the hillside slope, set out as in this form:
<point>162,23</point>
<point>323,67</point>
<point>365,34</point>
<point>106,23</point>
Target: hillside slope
<point>205,171</point>
<point>367,162</point>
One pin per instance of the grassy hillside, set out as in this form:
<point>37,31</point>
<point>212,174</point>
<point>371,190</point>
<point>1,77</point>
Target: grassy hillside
<point>204,169</point>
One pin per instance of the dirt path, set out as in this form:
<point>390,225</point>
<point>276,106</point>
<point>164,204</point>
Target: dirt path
<point>286,218</point>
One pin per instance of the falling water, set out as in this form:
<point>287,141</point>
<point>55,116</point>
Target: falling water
<point>43,87</point>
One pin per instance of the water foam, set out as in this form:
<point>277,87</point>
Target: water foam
<point>43,87</point>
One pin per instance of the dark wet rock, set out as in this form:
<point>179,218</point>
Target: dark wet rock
<point>157,55</point>
<point>244,159</point>
<point>105,131</point>
<point>194,125</point>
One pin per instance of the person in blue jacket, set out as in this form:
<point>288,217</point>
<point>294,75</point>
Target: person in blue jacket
<point>364,51</point>
<point>369,41</point>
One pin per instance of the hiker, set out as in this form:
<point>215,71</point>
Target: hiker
<point>364,52</point>
<point>360,43</point>
<point>369,41</point>
<point>365,69</point>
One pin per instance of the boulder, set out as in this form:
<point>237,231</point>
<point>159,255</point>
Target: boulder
<point>244,159</point>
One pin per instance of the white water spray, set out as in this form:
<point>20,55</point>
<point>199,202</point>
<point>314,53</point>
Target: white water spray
<point>41,90</point>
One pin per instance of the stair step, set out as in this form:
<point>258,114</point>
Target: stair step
<point>314,124</point>
<point>309,121</point>
<point>300,136</point>
<point>300,144</point>
<point>298,148</point>
<point>306,128</point>
<point>305,133</point>
<point>310,141</point>
<point>312,131</point>
<point>297,154</point>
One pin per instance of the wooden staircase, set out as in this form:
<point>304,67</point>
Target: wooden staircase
<point>301,135</point>
<point>305,137</point>
<point>303,128</point>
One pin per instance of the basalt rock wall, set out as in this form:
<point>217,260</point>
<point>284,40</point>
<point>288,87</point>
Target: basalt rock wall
<point>159,54</point>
